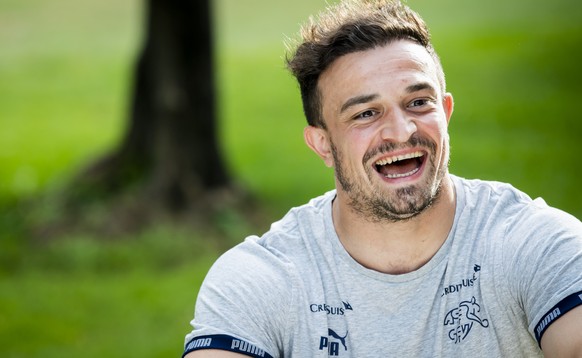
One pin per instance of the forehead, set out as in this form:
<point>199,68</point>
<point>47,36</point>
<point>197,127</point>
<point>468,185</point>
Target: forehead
<point>397,64</point>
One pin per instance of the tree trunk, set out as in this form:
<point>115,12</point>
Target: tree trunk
<point>175,97</point>
<point>170,148</point>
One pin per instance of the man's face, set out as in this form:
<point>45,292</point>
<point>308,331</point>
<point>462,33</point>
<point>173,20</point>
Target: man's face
<point>386,133</point>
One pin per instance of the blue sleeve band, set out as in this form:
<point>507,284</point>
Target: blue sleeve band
<point>225,343</point>
<point>556,312</point>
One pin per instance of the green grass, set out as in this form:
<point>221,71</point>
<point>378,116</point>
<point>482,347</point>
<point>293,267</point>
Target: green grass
<point>123,315</point>
<point>122,298</point>
<point>65,71</point>
<point>112,314</point>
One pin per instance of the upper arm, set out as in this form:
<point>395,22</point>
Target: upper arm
<point>213,353</point>
<point>544,261</point>
<point>244,303</point>
<point>563,338</point>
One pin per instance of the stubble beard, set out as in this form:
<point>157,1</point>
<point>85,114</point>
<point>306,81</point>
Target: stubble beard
<point>400,204</point>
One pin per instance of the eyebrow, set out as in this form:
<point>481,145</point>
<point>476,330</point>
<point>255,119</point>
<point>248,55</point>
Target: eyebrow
<point>370,97</point>
<point>420,87</point>
<point>358,100</point>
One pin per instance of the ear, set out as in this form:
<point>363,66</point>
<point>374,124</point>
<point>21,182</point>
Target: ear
<point>448,105</point>
<point>317,139</point>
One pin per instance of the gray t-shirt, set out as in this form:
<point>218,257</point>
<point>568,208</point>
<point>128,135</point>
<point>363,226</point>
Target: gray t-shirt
<point>509,267</point>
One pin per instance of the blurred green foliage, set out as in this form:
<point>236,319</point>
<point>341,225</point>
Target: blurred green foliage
<point>65,76</point>
<point>81,297</point>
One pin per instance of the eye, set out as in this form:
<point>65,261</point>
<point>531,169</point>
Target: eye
<point>421,104</point>
<point>366,114</point>
<point>418,102</point>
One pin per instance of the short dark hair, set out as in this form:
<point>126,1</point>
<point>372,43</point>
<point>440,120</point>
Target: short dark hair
<point>347,27</point>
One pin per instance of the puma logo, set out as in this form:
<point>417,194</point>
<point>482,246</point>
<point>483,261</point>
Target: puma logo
<point>332,345</point>
<point>331,333</point>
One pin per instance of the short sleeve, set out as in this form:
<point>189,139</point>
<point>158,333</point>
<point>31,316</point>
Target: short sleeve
<point>244,303</point>
<point>543,258</point>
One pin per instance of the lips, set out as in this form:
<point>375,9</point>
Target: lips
<point>400,166</point>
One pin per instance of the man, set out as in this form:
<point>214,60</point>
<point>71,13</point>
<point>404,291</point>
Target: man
<point>403,259</point>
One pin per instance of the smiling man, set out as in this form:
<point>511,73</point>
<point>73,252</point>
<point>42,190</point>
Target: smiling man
<point>402,259</point>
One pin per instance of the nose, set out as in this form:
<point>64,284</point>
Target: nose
<point>398,126</point>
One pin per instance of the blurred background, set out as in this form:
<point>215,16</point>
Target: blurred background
<point>112,270</point>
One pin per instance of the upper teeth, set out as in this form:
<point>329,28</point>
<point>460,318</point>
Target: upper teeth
<point>391,160</point>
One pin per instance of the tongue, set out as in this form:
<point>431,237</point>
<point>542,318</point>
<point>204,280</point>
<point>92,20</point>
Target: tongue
<point>399,167</point>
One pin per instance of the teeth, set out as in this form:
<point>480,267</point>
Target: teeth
<point>391,160</point>
<point>394,176</point>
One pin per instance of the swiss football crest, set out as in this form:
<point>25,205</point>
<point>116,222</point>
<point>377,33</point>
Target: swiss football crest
<point>462,319</point>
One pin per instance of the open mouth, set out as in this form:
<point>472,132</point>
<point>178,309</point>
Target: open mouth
<point>400,166</point>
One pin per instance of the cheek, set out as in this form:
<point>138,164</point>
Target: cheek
<point>358,143</point>
<point>348,153</point>
<point>434,128</point>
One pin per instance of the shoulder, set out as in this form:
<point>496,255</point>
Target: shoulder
<point>502,204</point>
<point>300,230</point>
<point>251,291</point>
<point>298,217</point>
<point>521,232</point>
<point>275,256</point>
<point>484,193</point>
<point>246,269</point>
<point>538,248</point>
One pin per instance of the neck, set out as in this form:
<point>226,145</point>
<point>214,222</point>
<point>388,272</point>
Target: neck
<point>396,247</point>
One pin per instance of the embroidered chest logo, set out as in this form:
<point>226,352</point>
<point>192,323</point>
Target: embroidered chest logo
<point>462,319</point>
<point>467,282</point>
<point>333,342</point>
